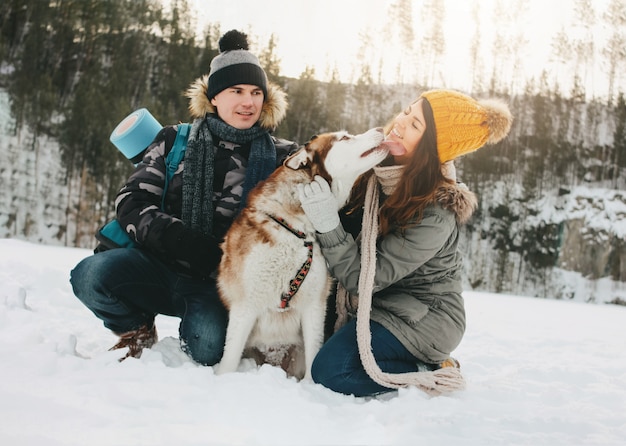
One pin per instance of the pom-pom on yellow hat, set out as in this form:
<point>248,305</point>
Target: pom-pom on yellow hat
<point>464,124</point>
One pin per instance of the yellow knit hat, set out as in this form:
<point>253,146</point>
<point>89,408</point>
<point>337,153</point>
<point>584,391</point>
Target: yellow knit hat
<point>464,124</point>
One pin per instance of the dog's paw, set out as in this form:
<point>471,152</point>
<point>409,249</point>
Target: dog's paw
<point>220,369</point>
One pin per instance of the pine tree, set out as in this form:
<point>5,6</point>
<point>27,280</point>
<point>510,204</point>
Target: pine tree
<point>615,49</point>
<point>618,159</point>
<point>270,61</point>
<point>304,101</point>
<point>476,64</point>
<point>434,43</point>
<point>334,105</point>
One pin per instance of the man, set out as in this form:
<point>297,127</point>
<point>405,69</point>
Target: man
<point>173,271</point>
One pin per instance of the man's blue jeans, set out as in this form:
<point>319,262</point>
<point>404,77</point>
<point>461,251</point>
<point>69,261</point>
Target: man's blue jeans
<point>127,288</point>
<point>338,364</point>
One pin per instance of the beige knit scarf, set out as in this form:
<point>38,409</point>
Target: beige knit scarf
<point>437,382</point>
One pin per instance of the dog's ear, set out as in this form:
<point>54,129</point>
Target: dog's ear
<point>298,159</point>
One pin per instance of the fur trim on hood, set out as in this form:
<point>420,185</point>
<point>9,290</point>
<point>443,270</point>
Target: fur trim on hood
<point>458,199</point>
<point>273,112</point>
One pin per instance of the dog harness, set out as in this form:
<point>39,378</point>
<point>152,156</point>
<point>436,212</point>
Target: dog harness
<point>294,284</point>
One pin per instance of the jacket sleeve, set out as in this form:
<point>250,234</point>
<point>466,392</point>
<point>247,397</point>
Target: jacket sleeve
<point>284,148</point>
<point>397,254</point>
<point>138,204</point>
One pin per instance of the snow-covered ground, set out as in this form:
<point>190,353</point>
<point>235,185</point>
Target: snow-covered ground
<point>539,372</point>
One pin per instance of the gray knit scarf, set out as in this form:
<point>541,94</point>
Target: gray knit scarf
<point>197,206</point>
<point>387,177</point>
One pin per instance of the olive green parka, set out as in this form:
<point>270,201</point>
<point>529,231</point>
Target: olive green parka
<point>417,284</point>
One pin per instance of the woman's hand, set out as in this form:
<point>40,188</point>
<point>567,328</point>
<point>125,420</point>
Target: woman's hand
<point>319,204</point>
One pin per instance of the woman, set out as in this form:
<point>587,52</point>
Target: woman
<point>172,272</point>
<point>407,269</point>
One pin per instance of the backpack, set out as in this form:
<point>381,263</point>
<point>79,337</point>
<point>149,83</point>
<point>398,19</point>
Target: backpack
<point>112,235</point>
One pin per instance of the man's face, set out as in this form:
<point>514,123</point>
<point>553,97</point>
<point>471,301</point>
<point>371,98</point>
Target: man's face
<point>240,105</point>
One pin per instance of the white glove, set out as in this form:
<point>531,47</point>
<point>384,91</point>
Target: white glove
<point>319,204</point>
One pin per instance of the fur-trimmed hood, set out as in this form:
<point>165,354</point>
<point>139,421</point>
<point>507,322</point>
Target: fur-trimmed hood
<point>273,112</point>
<point>458,199</point>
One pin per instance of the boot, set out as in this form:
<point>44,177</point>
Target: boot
<point>136,341</point>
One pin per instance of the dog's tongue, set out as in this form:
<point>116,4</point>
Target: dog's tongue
<point>395,148</point>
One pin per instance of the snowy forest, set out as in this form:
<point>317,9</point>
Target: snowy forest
<point>552,207</point>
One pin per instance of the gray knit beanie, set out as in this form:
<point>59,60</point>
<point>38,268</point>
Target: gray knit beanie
<point>235,65</point>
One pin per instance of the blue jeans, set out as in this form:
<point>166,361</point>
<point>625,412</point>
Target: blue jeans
<point>338,365</point>
<point>127,288</point>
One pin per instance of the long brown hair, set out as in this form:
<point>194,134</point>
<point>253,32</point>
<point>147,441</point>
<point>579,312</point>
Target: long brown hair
<point>416,188</point>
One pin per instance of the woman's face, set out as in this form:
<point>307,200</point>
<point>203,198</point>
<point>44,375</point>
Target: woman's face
<point>407,129</point>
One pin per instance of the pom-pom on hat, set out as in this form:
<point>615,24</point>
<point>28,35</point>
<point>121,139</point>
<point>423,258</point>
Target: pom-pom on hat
<point>235,65</point>
<point>464,124</point>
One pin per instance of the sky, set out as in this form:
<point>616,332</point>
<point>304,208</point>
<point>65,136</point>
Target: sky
<point>327,34</point>
<point>538,371</point>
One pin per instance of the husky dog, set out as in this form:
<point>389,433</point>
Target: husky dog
<point>273,277</point>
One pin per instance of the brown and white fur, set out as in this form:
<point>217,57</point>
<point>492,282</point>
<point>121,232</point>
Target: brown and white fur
<point>261,257</point>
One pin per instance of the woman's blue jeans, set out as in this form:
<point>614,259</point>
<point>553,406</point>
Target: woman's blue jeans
<point>338,364</point>
<point>127,288</point>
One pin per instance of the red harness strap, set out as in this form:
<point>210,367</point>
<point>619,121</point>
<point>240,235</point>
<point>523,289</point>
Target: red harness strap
<point>294,284</point>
